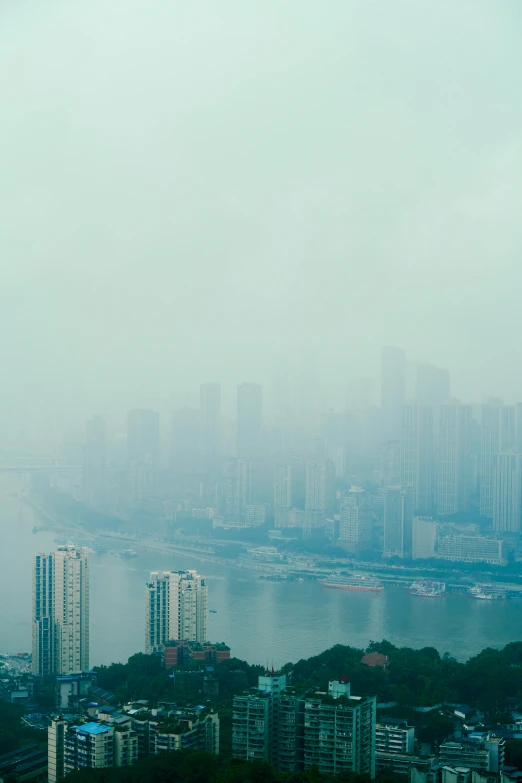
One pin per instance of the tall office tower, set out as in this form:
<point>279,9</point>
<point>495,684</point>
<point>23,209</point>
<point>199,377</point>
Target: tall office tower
<point>143,436</point>
<point>184,451</point>
<point>393,380</point>
<point>362,434</point>
<point>390,463</point>
<point>398,522</point>
<point>283,486</point>
<point>418,465</point>
<point>454,458</point>
<point>320,490</point>
<point>249,420</point>
<point>355,529</point>
<point>240,489</point>
<point>432,385</point>
<point>210,435</point>
<point>498,435</point>
<point>518,427</point>
<point>176,607</point>
<point>94,460</point>
<point>61,611</point>
<point>507,492</point>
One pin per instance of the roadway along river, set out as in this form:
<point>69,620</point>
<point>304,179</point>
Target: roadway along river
<point>261,621</point>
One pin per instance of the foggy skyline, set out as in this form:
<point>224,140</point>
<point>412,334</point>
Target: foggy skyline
<point>199,192</point>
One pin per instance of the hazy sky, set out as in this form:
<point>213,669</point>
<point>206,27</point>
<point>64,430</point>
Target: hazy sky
<point>188,188</point>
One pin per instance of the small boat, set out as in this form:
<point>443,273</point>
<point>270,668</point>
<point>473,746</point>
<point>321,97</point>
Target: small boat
<point>488,593</point>
<point>213,611</point>
<point>428,588</point>
<point>128,553</point>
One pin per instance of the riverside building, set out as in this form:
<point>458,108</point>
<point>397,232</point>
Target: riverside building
<point>176,608</point>
<point>61,611</point>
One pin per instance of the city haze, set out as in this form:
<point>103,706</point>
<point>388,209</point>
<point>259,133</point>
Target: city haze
<point>205,191</point>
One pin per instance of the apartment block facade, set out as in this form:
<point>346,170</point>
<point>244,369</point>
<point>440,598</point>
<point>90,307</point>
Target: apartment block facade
<point>293,731</point>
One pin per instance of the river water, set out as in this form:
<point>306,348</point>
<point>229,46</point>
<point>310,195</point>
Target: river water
<point>272,622</point>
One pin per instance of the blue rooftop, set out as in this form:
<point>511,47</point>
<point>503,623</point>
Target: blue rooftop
<point>92,728</point>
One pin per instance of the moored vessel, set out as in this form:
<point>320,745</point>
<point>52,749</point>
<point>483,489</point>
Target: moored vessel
<point>428,588</point>
<point>353,582</point>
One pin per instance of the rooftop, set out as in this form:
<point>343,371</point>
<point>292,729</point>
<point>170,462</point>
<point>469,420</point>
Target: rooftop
<point>91,728</point>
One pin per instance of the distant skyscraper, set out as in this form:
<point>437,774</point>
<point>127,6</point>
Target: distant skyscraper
<point>507,492</point>
<point>249,420</point>
<point>240,489</point>
<point>498,435</point>
<point>184,453</point>
<point>176,607</point>
<point>143,436</point>
<point>398,522</point>
<point>393,379</point>
<point>61,611</point>
<point>454,458</point>
<point>320,490</point>
<point>418,466</point>
<point>355,529</point>
<point>94,460</point>
<point>390,463</point>
<point>283,486</point>
<point>432,387</point>
<point>210,438</point>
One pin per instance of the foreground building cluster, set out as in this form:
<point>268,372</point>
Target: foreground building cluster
<point>334,731</point>
<point>119,739</point>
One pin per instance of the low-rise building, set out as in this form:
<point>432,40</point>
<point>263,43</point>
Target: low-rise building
<point>483,753</point>
<point>182,652</point>
<point>472,549</point>
<point>72,687</point>
<point>393,735</point>
<point>28,763</point>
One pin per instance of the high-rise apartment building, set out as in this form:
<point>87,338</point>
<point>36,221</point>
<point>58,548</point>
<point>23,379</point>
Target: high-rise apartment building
<point>61,611</point>
<point>498,435</point>
<point>393,384</point>
<point>176,608</point>
<point>143,436</point>
<point>355,528</point>
<point>295,731</point>
<point>418,464</point>
<point>210,433</point>
<point>249,420</point>
<point>398,522</point>
<point>454,458</point>
<point>283,486</point>
<point>507,492</point>
<point>339,733</point>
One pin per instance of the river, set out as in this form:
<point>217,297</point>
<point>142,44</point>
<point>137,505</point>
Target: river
<point>272,622</point>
